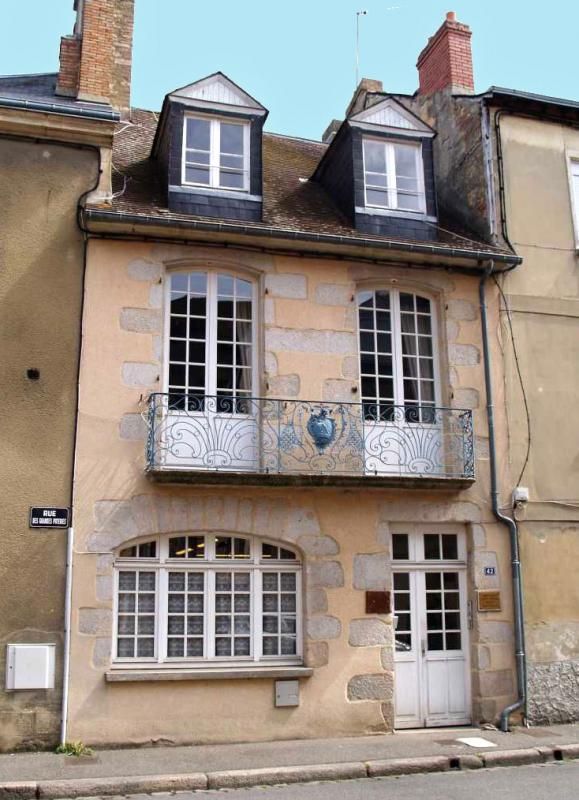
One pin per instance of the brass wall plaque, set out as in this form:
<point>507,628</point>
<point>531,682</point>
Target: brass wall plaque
<point>378,603</point>
<point>489,601</point>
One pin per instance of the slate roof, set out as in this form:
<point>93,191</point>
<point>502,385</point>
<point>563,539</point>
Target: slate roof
<point>40,90</point>
<point>290,203</point>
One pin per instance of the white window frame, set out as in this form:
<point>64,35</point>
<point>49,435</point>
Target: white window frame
<point>391,188</point>
<point>573,176</point>
<point>211,327</point>
<point>256,565</point>
<point>215,152</point>
<point>396,333</point>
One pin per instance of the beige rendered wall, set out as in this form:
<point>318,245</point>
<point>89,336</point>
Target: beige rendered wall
<point>544,298</point>
<point>309,349</point>
<point>41,255</point>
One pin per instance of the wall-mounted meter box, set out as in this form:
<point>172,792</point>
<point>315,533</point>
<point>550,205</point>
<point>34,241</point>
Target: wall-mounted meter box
<point>29,666</point>
<point>287,693</point>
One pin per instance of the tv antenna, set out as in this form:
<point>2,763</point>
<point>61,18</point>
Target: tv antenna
<point>358,15</point>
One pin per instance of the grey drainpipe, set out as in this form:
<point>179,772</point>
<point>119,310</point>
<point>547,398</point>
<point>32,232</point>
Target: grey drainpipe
<point>520,655</point>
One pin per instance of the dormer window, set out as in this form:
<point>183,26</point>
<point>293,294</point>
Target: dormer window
<point>393,175</point>
<point>216,153</point>
<point>379,169</point>
<point>209,147</point>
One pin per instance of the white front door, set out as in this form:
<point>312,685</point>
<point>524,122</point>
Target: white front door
<point>431,638</point>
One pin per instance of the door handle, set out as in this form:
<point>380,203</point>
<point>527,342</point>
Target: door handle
<point>423,646</point>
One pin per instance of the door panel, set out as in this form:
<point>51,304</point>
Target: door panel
<point>407,686</point>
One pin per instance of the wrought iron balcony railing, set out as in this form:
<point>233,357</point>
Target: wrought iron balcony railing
<point>191,433</point>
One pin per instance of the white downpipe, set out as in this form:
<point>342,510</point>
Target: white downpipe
<point>67,626</point>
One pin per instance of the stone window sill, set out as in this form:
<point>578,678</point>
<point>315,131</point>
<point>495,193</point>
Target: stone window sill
<point>219,673</point>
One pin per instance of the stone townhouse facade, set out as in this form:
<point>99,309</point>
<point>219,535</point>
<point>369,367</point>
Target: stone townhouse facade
<point>283,522</point>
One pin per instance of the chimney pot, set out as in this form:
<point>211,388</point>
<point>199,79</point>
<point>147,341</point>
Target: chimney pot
<point>451,16</point>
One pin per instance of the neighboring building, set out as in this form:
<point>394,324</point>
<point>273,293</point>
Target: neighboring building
<point>52,145</point>
<point>519,156</point>
<point>282,447</point>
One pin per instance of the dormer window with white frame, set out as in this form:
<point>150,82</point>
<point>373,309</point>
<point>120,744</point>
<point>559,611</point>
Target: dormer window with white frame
<point>393,175</point>
<point>216,153</point>
<point>393,164</point>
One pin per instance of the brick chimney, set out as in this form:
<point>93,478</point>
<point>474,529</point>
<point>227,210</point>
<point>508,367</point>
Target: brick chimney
<point>365,87</point>
<point>95,61</point>
<point>446,61</point>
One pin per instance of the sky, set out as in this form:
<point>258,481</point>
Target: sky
<point>298,57</point>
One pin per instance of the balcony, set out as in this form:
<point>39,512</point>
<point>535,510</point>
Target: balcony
<point>205,440</point>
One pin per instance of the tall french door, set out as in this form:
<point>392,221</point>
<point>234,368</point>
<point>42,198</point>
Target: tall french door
<point>431,630</point>
<point>210,416</point>
<point>399,382</point>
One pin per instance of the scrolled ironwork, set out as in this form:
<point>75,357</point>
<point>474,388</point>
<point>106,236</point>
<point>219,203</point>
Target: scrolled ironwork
<point>300,437</point>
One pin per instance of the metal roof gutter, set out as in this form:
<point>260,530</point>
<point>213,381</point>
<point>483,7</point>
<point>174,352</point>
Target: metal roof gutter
<point>515,94</point>
<point>118,217</point>
<point>60,108</point>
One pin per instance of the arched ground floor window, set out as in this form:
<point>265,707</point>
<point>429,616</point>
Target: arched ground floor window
<point>218,598</point>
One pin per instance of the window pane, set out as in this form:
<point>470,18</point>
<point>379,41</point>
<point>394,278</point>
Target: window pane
<point>453,641</point>
<point>234,163</point>
<point>268,551</point>
<point>287,555</point>
<point>241,550</point>
<point>405,158</point>
<point>431,546</point>
<point>409,202</point>
<point>400,546</point>
<point>449,546</point>
<point>374,156</point>
<point>197,305</point>
<point>178,303</point>
<point>377,198</point>
<point>231,180</point>
<point>198,133</point>
<point>197,175</point>
<point>177,547</point>
<point>223,546</point>
<point>231,138</point>
<point>401,581</point>
<point>178,327</point>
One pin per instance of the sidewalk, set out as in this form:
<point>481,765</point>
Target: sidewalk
<point>156,769</point>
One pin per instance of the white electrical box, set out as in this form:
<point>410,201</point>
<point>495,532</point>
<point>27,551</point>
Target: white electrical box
<point>30,666</point>
<point>287,693</point>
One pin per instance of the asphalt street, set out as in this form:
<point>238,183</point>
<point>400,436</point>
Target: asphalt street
<point>557,781</point>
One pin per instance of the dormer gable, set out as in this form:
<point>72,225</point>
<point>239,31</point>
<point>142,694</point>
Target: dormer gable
<point>209,145</point>
<point>219,93</point>
<point>390,116</point>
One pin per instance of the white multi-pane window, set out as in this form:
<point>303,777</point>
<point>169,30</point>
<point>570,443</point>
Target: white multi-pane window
<point>207,598</point>
<point>216,153</point>
<point>574,182</point>
<point>393,175</point>
<point>211,342</point>
<point>398,366</point>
